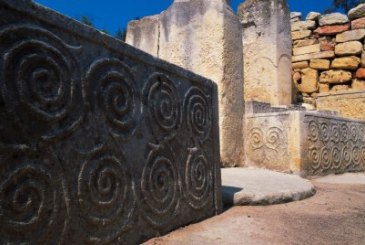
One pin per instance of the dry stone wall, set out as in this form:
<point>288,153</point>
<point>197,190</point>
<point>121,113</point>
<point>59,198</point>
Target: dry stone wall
<point>100,143</point>
<point>329,57</point>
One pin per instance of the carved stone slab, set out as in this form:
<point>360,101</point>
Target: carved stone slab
<point>99,142</point>
<point>307,143</point>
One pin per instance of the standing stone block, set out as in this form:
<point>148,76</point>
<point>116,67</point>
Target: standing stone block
<point>100,143</point>
<point>204,36</point>
<point>307,143</point>
<point>267,51</point>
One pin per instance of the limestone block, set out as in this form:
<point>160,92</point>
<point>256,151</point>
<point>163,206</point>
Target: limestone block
<point>324,87</point>
<point>313,16</point>
<point>204,36</point>
<point>333,19</point>
<point>307,49</point>
<point>353,35</point>
<point>307,143</point>
<point>350,104</point>
<point>331,30</point>
<point>305,42</point>
<point>358,84</point>
<point>347,63</point>
<point>295,19</point>
<point>360,73</point>
<point>309,81</point>
<point>303,25</point>
<point>100,142</point>
<point>349,48</point>
<point>320,64</point>
<point>319,55</point>
<point>300,65</point>
<point>357,12</point>
<point>295,15</point>
<point>363,58</point>
<point>267,51</point>
<point>335,76</point>
<point>295,35</point>
<point>338,88</point>
<point>358,24</point>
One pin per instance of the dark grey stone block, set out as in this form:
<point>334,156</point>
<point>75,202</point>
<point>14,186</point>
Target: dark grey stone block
<point>99,142</point>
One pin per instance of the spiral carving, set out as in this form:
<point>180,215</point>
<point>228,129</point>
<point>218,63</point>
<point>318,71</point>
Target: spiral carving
<point>336,157</point>
<point>160,186</point>
<point>325,132</point>
<point>325,158</point>
<point>118,98</point>
<point>356,156</point>
<point>164,107</point>
<point>198,113</point>
<point>33,206</point>
<point>106,196</point>
<point>336,135</point>
<point>256,137</point>
<point>198,179</point>
<point>346,156</point>
<point>353,133</point>
<point>273,138</point>
<point>363,156</point>
<point>315,158</point>
<point>313,131</point>
<point>345,133</point>
<point>43,90</point>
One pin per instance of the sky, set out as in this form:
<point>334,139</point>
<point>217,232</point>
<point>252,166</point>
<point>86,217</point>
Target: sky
<point>112,15</point>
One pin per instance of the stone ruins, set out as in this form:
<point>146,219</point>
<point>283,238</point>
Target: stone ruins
<point>103,143</point>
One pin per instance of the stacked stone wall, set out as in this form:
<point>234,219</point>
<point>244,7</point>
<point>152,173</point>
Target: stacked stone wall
<point>328,55</point>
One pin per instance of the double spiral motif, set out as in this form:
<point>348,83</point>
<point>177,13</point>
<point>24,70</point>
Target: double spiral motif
<point>274,138</point>
<point>315,158</point>
<point>198,113</point>
<point>345,133</point>
<point>32,198</point>
<point>356,156</point>
<point>118,97</point>
<point>346,156</point>
<point>198,179</point>
<point>313,131</point>
<point>325,132</point>
<point>161,98</point>
<point>160,186</point>
<point>325,158</point>
<point>40,81</point>
<point>256,137</point>
<point>336,157</point>
<point>106,196</point>
<point>336,135</point>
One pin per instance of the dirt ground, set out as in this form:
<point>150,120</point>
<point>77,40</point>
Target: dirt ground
<point>335,215</point>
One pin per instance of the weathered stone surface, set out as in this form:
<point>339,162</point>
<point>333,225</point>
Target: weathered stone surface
<point>295,19</point>
<point>324,87</point>
<point>358,24</point>
<point>100,143</point>
<point>295,35</point>
<point>338,88</point>
<point>305,142</point>
<point>313,16</point>
<point>300,65</point>
<point>335,76</point>
<point>358,84</point>
<point>360,73</point>
<point>309,81</point>
<point>353,35</point>
<point>305,42</point>
<point>307,49</point>
<point>331,30</point>
<point>267,51</point>
<point>320,64</point>
<point>347,63</point>
<point>295,15</point>
<point>333,19</point>
<point>319,55</point>
<point>347,104</point>
<point>349,48</point>
<point>303,25</point>
<point>357,12</point>
<point>363,58</point>
<point>204,36</point>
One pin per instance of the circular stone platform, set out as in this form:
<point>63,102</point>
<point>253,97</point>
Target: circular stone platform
<point>248,186</point>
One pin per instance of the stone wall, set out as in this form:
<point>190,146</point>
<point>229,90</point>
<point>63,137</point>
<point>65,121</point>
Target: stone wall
<point>329,57</point>
<point>203,36</point>
<point>100,143</point>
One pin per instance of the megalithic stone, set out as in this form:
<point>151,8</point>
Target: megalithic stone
<point>203,36</point>
<point>267,51</point>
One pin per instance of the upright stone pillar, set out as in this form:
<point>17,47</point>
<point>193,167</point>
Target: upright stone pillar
<point>267,51</point>
<point>203,36</point>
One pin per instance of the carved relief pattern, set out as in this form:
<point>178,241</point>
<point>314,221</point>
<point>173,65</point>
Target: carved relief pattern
<point>152,159</point>
<point>333,145</point>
